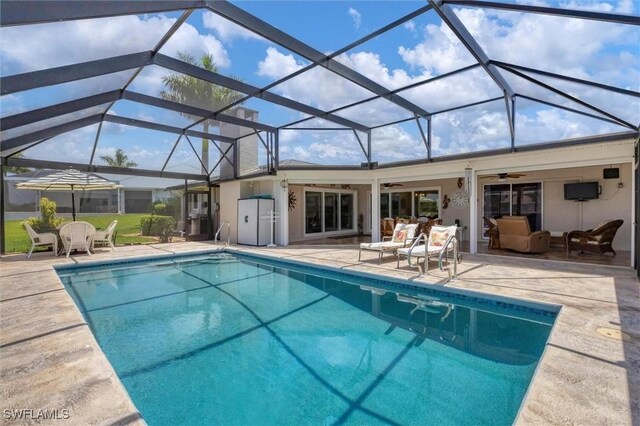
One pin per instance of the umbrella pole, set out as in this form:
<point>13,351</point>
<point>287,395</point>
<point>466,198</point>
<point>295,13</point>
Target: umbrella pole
<point>73,204</point>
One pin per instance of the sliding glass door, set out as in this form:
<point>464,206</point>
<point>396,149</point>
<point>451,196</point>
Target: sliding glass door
<point>518,199</point>
<point>408,204</point>
<point>329,211</point>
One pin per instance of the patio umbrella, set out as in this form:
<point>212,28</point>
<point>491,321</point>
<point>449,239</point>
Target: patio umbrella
<point>69,180</point>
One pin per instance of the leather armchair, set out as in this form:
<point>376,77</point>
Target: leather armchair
<point>515,234</point>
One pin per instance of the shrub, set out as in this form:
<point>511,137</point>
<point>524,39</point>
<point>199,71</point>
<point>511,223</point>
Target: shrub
<point>47,219</point>
<point>159,208</point>
<point>159,226</point>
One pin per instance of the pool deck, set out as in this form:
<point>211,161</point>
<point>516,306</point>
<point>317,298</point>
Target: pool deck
<point>49,360</point>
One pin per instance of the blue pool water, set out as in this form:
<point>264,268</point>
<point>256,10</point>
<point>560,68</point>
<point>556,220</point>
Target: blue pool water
<point>232,339</point>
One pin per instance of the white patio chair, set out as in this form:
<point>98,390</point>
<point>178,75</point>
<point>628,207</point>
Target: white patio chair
<point>435,243</point>
<point>44,239</point>
<point>106,236</point>
<point>403,234</point>
<point>77,235</point>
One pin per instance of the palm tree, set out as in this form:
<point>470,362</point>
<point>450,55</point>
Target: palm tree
<point>119,159</point>
<point>192,91</point>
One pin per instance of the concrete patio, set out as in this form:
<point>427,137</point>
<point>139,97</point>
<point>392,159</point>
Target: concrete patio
<point>51,361</point>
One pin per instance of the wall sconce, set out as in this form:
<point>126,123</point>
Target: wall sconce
<point>284,184</point>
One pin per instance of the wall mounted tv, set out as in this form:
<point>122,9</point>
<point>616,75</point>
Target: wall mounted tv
<point>581,191</point>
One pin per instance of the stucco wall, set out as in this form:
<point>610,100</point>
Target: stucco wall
<point>559,214</point>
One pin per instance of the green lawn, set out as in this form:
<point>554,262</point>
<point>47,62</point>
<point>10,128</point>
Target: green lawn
<point>128,230</point>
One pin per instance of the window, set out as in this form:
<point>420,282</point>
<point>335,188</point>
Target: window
<point>426,203</point>
<point>313,212</point>
<point>346,211</point>
<point>423,202</point>
<point>329,211</point>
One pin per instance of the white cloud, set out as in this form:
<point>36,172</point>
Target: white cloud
<point>277,65</point>
<point>226,30</point>
<point>86,40</point>
<point>356,16</point>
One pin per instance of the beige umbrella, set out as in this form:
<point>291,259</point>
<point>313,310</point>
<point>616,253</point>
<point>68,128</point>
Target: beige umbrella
<point>69,180</point>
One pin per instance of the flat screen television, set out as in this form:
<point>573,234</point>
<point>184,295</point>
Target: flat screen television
<point>581,191</point>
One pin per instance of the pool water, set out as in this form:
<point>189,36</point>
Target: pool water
<point>229,339</point>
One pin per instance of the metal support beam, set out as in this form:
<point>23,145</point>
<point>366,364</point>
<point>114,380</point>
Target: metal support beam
<point>239,86</point>
<point>252,23</point>
<point>575,111</point>
<point>453,22</point>
<point>95,143</point>
<point>9,146</point>
<point>57,110</point>
<point>364,151</point>
<point>582,14</point>
<point>508,103</point>
<point>175,145</point>
<point>204,167</point>
<point>424,139</point>
<point>429,133</point>
<point>3,195</point>
<point>507,65</point>
<point>277,150</point>
<point>574,99</point>
<point>199,112</point>
<point>18,12</point>
<point>512,123</point>
<point>67,73</point>
<point>164,128</point>
<point>46,164</point>
<point>369,148</point>
<point>224,157</point>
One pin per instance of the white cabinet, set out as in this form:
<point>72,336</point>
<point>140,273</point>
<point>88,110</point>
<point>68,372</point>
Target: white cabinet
<point>253,226</point>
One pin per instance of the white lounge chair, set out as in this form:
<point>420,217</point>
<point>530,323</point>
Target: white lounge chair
<point>435,243</point>
<point>77,235</point>
<point>106,236</point>
<point>403,234</point>
<point>44,239</point>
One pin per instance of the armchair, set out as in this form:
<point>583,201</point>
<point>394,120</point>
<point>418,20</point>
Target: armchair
<point>598,240</point>
<point>515,234</point>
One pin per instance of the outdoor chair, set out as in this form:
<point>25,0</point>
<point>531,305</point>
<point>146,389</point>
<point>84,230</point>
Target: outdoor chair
<point>78,236</point>
<point>403,235</point>
<point>492,232</point>
<point>515,234</point>
<point>44,239</point>
<point>387,226</point>
<point>435,243</point>
<point>106,236</point>
<point>598,240</point>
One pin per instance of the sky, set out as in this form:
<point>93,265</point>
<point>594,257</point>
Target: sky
<point>413,52</point>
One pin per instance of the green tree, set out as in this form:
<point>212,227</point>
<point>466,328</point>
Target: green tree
<point>192,91</point>
<point>119,159</point>
<point>14,170</point>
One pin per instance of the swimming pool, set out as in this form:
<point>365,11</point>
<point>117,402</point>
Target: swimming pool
<point>235,339</point>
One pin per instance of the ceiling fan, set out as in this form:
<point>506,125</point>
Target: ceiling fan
<point>503,176</point>
<point>391,185</point>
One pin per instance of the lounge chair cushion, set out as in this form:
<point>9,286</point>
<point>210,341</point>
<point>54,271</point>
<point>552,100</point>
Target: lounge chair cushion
<point>437,239</point>
<point>382,246</point>
<point>399,236</point>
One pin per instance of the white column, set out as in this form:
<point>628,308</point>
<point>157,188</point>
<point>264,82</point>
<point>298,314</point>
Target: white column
<point>281,191</point>
<point>473,213</point>
<point>375,210</point>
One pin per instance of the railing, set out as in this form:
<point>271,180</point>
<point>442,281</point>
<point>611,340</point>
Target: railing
<point>421,237</point>
<point>453,239</point>
<point>215,239</point>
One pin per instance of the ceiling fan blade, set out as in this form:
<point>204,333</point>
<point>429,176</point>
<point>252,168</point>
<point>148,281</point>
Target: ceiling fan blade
<point>489,177</point>
<point>515,175</point>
